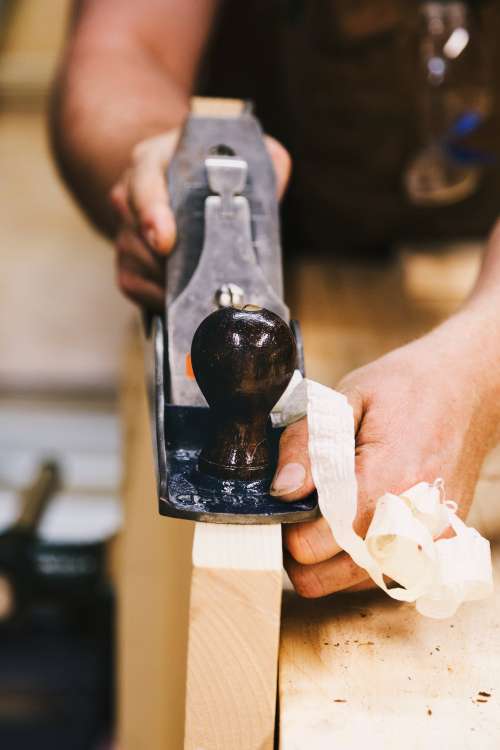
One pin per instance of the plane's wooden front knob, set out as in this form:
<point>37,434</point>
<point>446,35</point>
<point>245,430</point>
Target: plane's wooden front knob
<point>243,359</point>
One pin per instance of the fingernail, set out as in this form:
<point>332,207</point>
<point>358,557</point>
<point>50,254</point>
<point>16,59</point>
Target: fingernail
<point>288,479</point>
<point>164,231</point>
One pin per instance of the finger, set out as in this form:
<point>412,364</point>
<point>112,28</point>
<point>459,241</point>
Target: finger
<point>310,542</point>
<point>134,255</point>
<point>367,585</point>
<point>282,164</point>
<point>148,191</point>
<point>293,479</point>
<point>313,581</point>
<point>119,199</point>
<point>141,291</point>
<point>149,199</point>
<point>313,541</point>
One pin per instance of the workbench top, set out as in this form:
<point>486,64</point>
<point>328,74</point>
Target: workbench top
<point>362,670</point>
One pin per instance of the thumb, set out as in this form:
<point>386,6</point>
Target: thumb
<point>293,479</point>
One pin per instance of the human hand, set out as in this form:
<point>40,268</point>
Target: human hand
<point>146,232</point>
<point>423,411</point>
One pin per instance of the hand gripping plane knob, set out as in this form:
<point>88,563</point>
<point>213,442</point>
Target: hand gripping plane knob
<point>243,359</point>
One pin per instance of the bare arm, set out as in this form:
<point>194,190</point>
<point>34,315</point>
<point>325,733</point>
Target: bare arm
<point>487,289</point>
<point>126,74</point>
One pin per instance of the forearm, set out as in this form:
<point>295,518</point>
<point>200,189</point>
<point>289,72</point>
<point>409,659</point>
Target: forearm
<point>126,74</point>
<point>487,288</point>
<point>104,102</point>
<point>467,345</point>
<point>482,308</point>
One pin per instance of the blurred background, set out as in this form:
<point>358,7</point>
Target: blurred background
<point>61,320</point>
<point>62,329</point>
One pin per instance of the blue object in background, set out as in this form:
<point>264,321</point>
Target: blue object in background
<point>465,125</point>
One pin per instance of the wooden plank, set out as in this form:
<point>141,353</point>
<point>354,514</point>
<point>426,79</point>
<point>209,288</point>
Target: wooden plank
<point>154,563</point>
<point>204,106</point>
<point>233,637</point>
<point>361,670</point>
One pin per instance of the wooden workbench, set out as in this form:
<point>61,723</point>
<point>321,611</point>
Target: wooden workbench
<point>353,669</point>
<point>363,671</point>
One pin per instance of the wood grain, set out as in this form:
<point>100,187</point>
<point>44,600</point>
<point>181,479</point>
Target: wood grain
<point>212,107</point>
<point>242,360</point>
<point>233,637</point>
<point>360,671</point>
<point>154,576</point>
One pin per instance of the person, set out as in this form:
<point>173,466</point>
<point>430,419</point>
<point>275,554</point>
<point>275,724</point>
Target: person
<point>333,82</point>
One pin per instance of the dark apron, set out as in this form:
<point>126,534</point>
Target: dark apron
<point>336,82</point>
